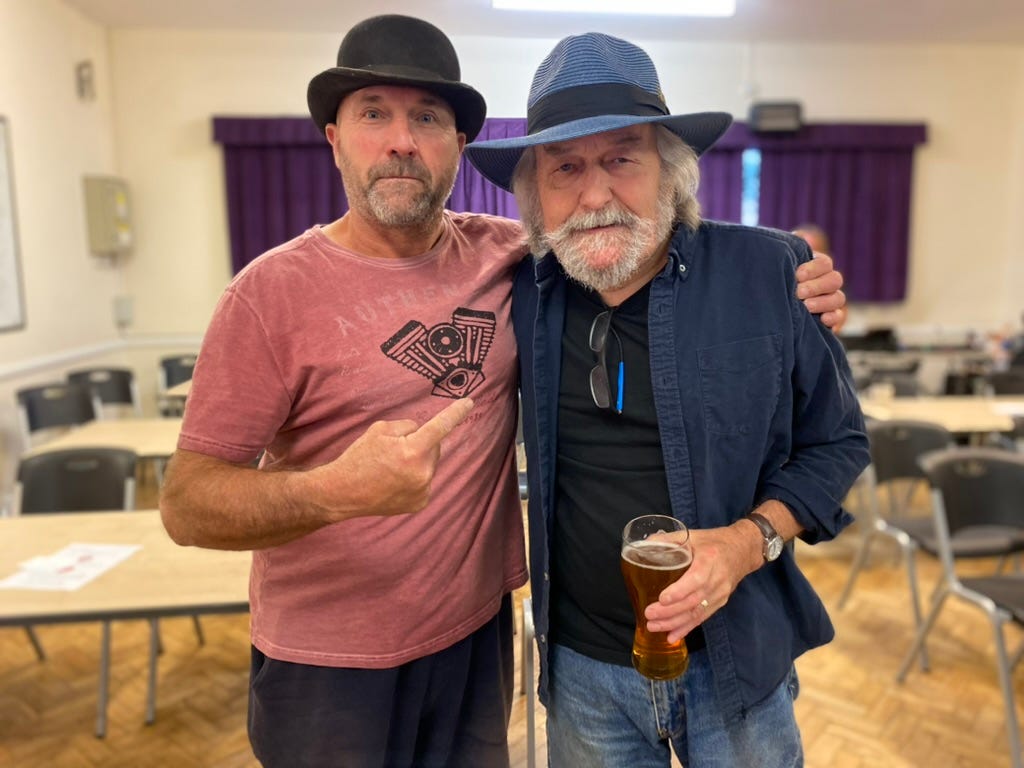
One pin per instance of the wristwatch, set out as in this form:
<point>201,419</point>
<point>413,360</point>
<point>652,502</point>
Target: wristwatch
<point>772,546</point>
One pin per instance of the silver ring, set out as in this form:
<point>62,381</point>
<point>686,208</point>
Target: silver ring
<point>704,604</point>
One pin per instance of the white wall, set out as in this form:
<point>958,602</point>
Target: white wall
<point>967,182</point>
<point>151,124</point>
<point>55,139</point>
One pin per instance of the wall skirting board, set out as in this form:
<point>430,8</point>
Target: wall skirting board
<point>68,357</point>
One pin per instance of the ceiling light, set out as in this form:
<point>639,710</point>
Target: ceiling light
<point>624,7</point>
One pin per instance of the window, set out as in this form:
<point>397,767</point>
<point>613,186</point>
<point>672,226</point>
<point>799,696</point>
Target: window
<point>751,187</point>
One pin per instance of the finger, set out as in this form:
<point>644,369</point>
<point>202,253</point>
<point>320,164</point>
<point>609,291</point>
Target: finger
<point>393,428</point>
<point>820,265</point>
<point>834,319</point>
<point>827,285</point>
<point>434,431</point>
<point>828,302</point>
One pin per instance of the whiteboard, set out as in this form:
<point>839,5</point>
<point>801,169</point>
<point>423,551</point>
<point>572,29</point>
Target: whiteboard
<point>12,309</point>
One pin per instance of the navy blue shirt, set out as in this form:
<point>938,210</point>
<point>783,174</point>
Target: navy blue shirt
<point>754,402</point>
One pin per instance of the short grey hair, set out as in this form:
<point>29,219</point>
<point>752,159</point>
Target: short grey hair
<point>680,178</point>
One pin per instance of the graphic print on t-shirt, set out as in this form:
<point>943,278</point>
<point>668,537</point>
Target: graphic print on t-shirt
<point>449,354</point>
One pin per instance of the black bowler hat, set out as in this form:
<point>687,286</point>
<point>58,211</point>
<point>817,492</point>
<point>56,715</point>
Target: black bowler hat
<point>396,50</point>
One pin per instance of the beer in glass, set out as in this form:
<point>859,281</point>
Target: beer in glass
<point>650,562</point>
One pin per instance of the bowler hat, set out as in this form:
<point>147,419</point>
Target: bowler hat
<point>589,84</point>
<point>396,50</point>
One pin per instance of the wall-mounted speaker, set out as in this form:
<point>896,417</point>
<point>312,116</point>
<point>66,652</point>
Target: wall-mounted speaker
<point>775,117</point>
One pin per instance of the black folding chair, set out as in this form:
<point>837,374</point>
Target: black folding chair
<point>1008,382</point>
<point>111,386</point>
<point>54,407</point>
<point>77,480</point>
<point>175,369</point>
<point>895,447</point>
<point>978,495</point>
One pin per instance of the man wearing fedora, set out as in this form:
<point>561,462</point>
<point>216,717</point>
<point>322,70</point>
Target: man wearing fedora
<point>665,367</point>
<point>384,558</point>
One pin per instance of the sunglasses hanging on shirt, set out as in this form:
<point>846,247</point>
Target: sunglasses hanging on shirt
<point>600,383</point>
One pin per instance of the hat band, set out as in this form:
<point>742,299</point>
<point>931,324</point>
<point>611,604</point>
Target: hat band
<point>583,101</point>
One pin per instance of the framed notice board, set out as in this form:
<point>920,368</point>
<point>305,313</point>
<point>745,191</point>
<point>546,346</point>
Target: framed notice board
<point>12,306</point>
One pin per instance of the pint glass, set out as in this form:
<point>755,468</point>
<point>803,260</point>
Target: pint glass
<point>650,562</point>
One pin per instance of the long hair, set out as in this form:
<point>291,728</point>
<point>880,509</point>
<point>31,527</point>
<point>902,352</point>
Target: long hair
<point>680,178</point>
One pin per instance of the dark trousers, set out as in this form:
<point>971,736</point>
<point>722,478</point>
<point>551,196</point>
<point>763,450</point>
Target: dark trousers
<point>448,709</point>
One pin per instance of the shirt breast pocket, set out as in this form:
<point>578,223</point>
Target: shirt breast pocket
<point>740,383</point>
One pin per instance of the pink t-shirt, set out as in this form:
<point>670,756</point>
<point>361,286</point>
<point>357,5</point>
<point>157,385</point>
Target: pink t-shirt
<point>312,343</point>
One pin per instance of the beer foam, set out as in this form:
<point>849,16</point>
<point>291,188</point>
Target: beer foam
<point>657,554</point>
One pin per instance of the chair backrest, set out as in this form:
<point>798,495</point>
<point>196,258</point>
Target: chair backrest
<point>76,480</point>
<point>175,370</point>
<point>897,445</point>
<point>60,404</point>
<point>1008,382</point>
<point>974,488</point>
<point>903,384</point>
<point>965,383</point>
<point>113,386</point>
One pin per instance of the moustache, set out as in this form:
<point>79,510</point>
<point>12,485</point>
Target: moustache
<point>401,167</point>
<point>606,217</point>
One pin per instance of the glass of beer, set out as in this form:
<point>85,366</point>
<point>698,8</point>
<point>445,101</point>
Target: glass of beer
<point>650,562</point>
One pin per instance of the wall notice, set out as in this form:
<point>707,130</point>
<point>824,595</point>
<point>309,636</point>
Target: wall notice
<point>12,310</point>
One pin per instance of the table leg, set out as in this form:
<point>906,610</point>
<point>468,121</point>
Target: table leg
<point>104,684</point>
<point>154,650</point>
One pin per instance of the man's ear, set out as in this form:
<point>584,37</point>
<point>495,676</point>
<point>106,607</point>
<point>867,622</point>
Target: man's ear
<point>462,141</point>
<point>331,131</point>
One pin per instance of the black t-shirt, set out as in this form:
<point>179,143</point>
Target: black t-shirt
<point>610,470</point>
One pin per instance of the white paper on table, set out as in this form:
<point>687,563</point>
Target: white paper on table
<point>70,568</point>
<point>1009,409</point>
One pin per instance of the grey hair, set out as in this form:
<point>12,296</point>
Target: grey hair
<point>680,172</point>
<point>680,177</point>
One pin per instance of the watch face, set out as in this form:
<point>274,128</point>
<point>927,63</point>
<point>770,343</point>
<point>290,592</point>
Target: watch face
<point>773,547</point>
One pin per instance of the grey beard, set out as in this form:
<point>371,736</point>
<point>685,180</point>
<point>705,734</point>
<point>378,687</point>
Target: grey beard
<point>425,209</point>
<point>572,243</point>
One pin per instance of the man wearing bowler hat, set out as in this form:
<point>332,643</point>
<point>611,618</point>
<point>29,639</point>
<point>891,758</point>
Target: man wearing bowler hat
<point>387,534</point>
<point>384,558</point>
<point>665,367</point>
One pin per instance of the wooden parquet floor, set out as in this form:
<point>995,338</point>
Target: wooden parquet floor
<point>851,712</point>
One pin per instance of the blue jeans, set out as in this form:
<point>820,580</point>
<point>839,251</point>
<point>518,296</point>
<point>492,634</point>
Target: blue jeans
<point>606,716</point>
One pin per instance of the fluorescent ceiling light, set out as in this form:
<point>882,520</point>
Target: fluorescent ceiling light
<point>624,7</point>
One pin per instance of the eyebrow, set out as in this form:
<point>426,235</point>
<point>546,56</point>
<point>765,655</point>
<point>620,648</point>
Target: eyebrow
<point>626,141</point>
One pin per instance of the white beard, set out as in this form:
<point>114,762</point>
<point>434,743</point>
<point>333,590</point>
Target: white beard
<point>604,260</point>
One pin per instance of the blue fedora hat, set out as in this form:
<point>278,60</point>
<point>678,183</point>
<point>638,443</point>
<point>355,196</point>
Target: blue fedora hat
<point>589,84</point>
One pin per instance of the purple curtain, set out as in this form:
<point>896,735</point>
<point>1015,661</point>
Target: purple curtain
<point>280,179</point>
<point>721,183</point>
<point>472,191</point>
<point>852,180</point>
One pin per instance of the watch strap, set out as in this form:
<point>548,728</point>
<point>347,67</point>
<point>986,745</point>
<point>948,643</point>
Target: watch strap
<point>768,531</point>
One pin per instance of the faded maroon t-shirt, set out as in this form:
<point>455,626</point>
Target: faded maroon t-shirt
<point>311,344</point>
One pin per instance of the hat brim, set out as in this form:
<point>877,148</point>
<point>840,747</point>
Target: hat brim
<point>496,160</point>
<point>327,89</point>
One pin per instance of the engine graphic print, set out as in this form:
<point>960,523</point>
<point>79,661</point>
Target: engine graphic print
<point>451,355</point>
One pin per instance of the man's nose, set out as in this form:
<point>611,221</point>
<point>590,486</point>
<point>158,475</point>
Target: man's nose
<point>595,188</point>
<point>401,140</point>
